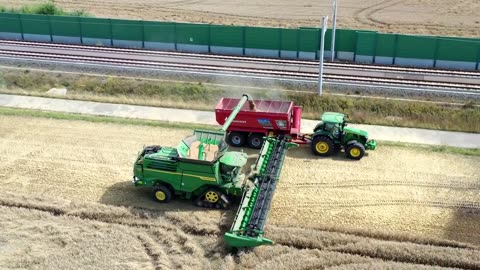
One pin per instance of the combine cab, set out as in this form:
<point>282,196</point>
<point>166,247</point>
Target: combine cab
<point>201,169</point>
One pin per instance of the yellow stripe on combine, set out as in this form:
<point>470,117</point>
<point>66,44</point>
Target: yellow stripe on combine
<point>205,178</point>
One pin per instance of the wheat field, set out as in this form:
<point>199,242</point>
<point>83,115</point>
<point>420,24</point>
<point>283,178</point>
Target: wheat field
<point>426,17</point>
<point>66,203</point>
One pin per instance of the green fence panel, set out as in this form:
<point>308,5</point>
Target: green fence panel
<point>385,45</point>
<point>262,38</point>
<point>288,40</point>
<point>308,39</point>
<point>458,50</point>
<point>366,42</point>
<point>226,36</point>
<point>35,24</point>
<point>328,40</point>
<point>65,26</point>
<point>127,30</point>
<point>10,23</point>
<point>345,40</point>
<point>159,32</point>
<point>96,28</point>
<point>302,39</point>
<point>416,47</point>
<point>195,34</point>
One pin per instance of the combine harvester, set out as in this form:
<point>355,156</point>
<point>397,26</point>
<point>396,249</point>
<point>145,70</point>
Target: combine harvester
<point>200,168</point>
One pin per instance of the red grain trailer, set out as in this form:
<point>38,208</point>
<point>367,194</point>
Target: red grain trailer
<point>267,118</point>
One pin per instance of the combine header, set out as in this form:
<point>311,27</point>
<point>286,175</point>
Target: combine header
<point>201,169</point>
<point>247,229</point>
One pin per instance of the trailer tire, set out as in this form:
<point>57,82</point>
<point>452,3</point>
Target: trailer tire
<point>355,151</point>
<point>162,194</point>
<point>255,140</point>
<point>236,139</point>
<point>322,146</point>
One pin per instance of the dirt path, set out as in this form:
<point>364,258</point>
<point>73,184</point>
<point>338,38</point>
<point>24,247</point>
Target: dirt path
<point>432,17</point>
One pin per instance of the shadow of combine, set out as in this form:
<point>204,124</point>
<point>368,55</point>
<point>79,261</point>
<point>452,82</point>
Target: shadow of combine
<point>126,195</point>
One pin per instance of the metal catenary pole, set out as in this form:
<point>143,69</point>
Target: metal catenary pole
<point>334,27</point>
<point>322,45</point>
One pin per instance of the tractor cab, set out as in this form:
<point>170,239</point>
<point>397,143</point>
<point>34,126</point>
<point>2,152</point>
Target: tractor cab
<point>333,123</point>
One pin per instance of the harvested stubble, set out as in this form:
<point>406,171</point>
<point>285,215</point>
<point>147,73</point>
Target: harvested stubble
<point>64,188</point>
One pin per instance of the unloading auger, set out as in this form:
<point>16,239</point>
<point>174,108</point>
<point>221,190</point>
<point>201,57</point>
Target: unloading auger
<point>249,222</point>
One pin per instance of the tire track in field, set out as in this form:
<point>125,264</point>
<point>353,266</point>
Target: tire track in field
<point>365,15</point>
<point>455,184</point>
<point>133,220</point>
<point>157,256</point>
<point>182,3</point>
<point>376,254</point>
<point>359,203</point>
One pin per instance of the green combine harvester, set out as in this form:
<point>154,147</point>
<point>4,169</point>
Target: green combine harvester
<point>201,169</point>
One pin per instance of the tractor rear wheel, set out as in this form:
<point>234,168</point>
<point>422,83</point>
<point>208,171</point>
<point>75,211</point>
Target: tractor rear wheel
<point>255,140</point>
<point>322,146</point>
<point>236,139</point>
<point>355,151</point>
<point>162,194</point>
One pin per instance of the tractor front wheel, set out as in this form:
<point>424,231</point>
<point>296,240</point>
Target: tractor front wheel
<point>355,151</point>
<point>162,194</point>
<point>236,139</point>
<point>322,146</point>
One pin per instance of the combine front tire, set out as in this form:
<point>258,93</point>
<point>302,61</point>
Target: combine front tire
<point>322,146</point>
<point>255,140</point>
<point>355,151</point>
<point>162,194</point>
<point>236,139</point>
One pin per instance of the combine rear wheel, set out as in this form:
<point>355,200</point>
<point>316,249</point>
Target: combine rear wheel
<point>162,194</point>
<point>355,151</point>
<point>255,140</point>
<point>322,146</point>
<point>236,139</point>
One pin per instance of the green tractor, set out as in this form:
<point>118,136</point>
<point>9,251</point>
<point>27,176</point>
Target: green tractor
<point>332,135</point>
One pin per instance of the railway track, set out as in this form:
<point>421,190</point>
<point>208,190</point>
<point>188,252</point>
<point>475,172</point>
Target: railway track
<point>466,83</point>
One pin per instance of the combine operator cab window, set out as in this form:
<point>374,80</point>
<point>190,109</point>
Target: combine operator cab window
<point>228,172</point>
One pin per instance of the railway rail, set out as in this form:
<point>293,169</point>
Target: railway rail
<point>466,83</point>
